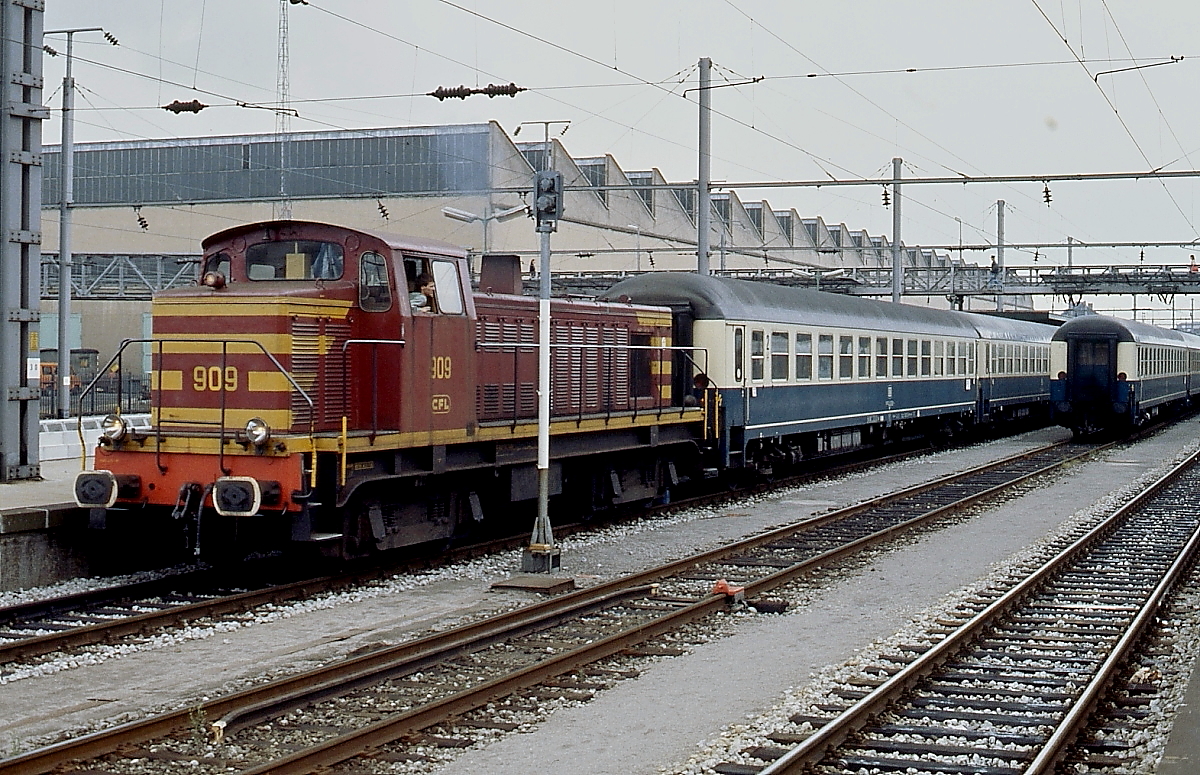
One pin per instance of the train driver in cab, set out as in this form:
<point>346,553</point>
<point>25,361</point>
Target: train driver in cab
<point>422,298</point>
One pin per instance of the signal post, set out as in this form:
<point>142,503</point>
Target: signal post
<point>543,555</point>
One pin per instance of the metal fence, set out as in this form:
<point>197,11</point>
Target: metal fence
<point>129,395</point>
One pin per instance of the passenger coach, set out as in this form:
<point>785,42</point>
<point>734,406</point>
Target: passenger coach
<point>799,373</point>
<point>1114,375</point>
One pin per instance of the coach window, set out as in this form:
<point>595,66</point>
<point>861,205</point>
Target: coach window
<point>845,357</point>
<point>926,357</point>
<point>939,350</point>
<point>912,357</point>
<point>951,359</point>
<point>757,347</point>
<point>447,287</point>
<point>825,356</point>
<point>374,293</point>
<point>897,357</point>
<point>881,357</point>
<point>966,360</point>
<point>864,357</point>
<point>803,356</point>
<point>779,355</point>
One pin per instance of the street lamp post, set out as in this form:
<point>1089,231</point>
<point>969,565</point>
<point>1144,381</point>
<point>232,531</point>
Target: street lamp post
<point>498,216</point>
<point>66,198</point>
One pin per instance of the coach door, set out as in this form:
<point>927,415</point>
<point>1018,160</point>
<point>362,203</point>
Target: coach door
<point>438,392</point>
<point>1091,368</point>
<point>737,403</point>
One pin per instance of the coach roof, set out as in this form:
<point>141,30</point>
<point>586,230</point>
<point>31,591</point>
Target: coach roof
<point>1122,330</point>
<point>718,298</point>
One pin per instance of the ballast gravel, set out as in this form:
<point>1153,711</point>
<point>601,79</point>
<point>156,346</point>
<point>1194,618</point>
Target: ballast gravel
<point>651,724</point>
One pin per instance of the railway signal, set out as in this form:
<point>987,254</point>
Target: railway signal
<point>547,203</point>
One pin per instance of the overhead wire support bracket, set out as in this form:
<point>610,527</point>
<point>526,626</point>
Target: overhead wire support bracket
<point>724,85</point>
<point>1172,61</point>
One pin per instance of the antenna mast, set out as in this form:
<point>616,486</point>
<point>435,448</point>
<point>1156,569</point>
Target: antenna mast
<point>282,209</point>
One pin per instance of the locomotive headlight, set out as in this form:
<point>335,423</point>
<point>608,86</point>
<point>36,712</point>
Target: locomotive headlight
<point>113,427</point>
<point>258,432</point>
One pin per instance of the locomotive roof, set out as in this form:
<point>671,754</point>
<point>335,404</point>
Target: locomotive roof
<point>720,298</point>
<point>394,241</point>
<point>1124,331</point>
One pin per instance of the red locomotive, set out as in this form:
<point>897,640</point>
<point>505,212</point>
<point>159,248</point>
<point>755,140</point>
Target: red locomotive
<point>346,390</point>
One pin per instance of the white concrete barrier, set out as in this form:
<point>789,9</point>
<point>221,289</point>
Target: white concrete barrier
<point>59,439</point>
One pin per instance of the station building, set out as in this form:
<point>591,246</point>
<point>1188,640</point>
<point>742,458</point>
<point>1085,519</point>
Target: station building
<point>142,207</point>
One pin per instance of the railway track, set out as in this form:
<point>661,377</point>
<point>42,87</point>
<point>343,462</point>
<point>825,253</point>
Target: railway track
<point>106,615</point>
<point>439,688</point>
<point>1010,686</point>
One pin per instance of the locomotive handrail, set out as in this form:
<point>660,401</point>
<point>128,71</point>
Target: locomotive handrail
<point>374,431</point>
<point>683,349</point>
<point>159,344</point>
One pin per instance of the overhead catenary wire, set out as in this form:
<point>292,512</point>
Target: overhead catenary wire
<point>1113,107</point>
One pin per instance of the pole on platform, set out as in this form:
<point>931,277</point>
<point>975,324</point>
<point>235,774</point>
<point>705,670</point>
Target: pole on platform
<point>1000,252</point>
<point>66,184</point>
<point>704,175</point>
<point>897,264</point>
<point>542,555</point>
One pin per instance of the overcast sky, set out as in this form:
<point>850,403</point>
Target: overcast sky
<point>998,90</point>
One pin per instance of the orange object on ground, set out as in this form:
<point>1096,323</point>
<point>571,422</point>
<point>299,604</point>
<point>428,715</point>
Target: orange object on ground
<point>722,587</point>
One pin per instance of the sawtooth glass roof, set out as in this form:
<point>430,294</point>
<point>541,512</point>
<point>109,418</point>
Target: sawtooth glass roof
<point>370,162</point>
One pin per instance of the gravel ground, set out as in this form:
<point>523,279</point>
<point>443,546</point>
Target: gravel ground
<point>676,705</point>
<point>689,713</point>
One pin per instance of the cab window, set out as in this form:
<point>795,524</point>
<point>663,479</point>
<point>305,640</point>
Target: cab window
<point>294,260</point>
<point>374,294</point>
<point>216,263</point>
<point>447,289</point>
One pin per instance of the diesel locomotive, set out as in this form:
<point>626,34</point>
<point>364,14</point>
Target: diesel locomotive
<point>305,393</point>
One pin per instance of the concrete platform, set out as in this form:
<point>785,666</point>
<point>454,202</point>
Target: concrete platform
<point>32,549</point>
<point>1182,754</point>
<point>55,487</point>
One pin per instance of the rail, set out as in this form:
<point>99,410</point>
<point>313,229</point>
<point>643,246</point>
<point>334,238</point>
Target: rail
<point>809,544</point>
<point>850,722</point>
